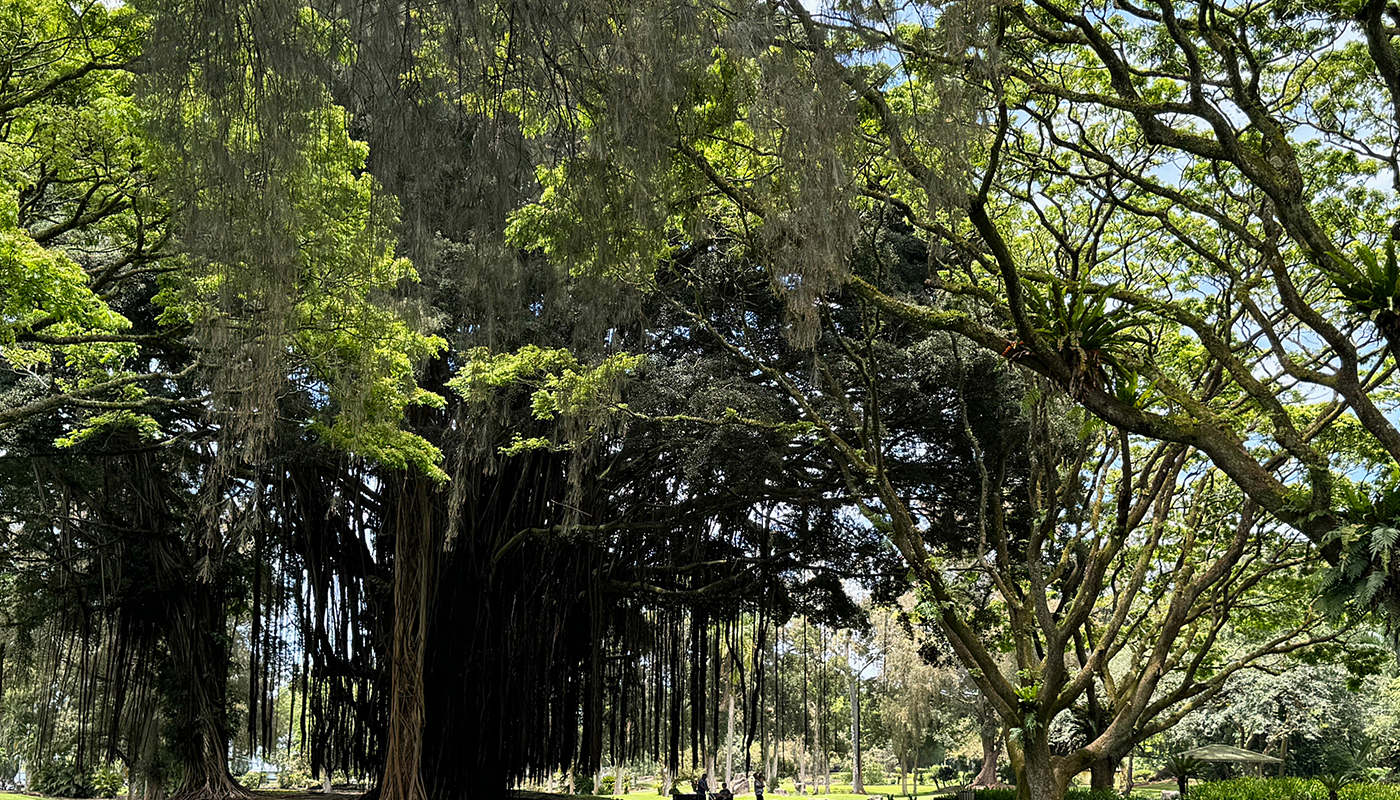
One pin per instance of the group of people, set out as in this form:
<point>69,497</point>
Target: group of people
<point>702,788</point>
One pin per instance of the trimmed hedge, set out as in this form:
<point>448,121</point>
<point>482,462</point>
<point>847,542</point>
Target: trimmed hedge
<point>1287,789</point>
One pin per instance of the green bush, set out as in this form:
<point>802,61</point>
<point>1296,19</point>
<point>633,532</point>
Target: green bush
<point>605,786</point>
<point>61,779</point>
<point>294,779</point>
<point>107,780</point>
<point>996,794</point>
<point>252,779</point>
<point>1370,791</point>
<point>1080,793</point>
<point>1287,789</point>
<point>872,772</point>
<point>583,784</point>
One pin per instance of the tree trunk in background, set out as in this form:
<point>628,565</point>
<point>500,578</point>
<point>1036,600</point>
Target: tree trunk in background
<point>991,752</point>
<point>916,767</point>
<point>857,780</point>
<point>729,726</point>
<point>1102,772</point>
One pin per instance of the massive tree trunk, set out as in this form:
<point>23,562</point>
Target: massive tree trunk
<point>1036,777</point>
<point>402,763</point>
<point>1102,772</point>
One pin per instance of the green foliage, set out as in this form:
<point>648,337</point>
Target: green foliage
<point>1369,284</point>
<point>77,215</point>
<point>996,794</point>
<point>560,386</point>
<point>301,274</point>
<point>108,780</point>
<point>1091,337</point>
<point>624,238</point>
<point>294,779</point>
<point>252,779</point>
<point>1183,768</point>
<point>1366,540</point>
<point>1335,783</point>
<point>583,784</point>
<point>1081,793</point>
<point>61,778</point>
<point>1291,789</point>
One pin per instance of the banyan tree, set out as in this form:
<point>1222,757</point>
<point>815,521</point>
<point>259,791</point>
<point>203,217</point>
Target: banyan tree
<point>483,595</point>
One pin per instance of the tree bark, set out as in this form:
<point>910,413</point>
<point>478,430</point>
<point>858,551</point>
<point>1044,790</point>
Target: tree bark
<point>1102,772</point>
<point>403,778</point>
<point>991,754</point>
<point>1037,778</point>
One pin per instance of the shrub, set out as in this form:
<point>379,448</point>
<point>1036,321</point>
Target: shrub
<point>996,794</point>
<point>60,779</point>
<point>583,784</point>
<point>1371,791</point>
<point>107,780</point>
<point>294,779</point>
<point>252,779</point>
<point>605,786</point>
<point>1288,789</point>
<point>1080,793</point>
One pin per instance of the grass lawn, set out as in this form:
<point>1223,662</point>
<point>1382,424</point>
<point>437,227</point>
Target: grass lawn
<point>894,789</point>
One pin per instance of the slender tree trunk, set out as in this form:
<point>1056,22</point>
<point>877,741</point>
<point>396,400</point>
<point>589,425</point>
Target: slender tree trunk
<point>916,764</point>
<point>729,726</point>
<point>857,780</point>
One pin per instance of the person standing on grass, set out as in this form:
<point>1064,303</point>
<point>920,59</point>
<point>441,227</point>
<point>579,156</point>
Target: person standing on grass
<point>758,785</point>
<point>702,786</point>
